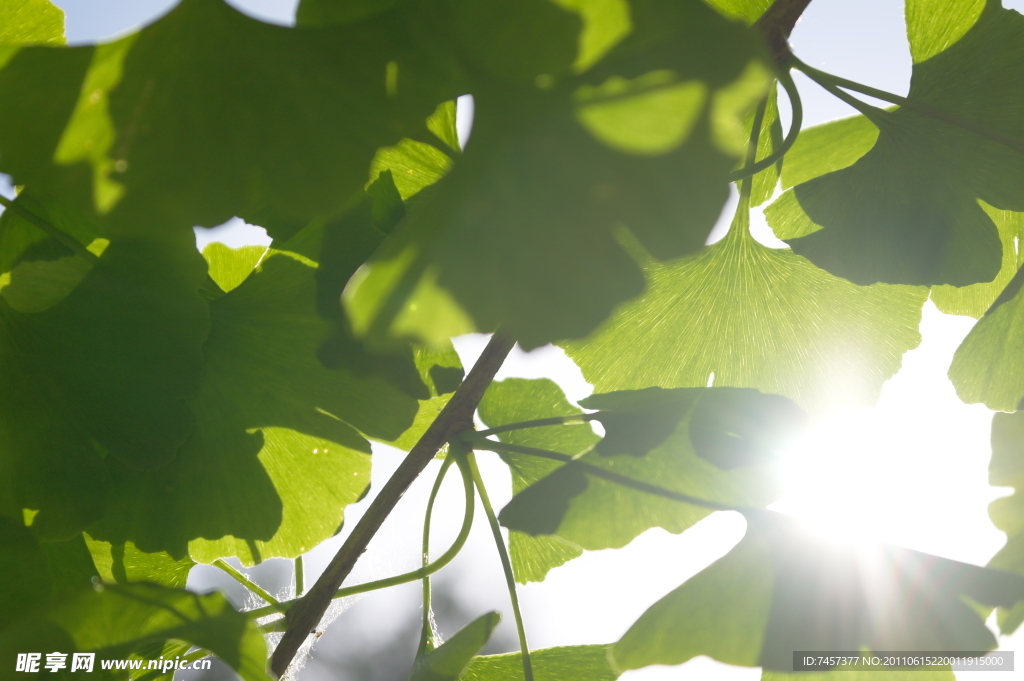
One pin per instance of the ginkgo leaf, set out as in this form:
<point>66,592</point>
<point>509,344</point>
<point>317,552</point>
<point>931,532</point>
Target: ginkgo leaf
<point>103,373</point>
<point>117,620</point>
<point>780,591</point>
<point>208,114</point>
<point>743,10</point>
<point>30,22</point>
<point>740,314</point>
<point>34,573</point>
<point>595,513</point>
<point>826,148</point>
<point>514,400</point>
<point>275,455</point>
<point>860,675</point>
<point>987,367</point>
<point>908,211</point>
<point>525,229</point>
<point>568,663</point>
<point>976,299</point>
<point>1007,470</point>
<point>124,563</point>
<point>448,661</point>
<point>768,141</point>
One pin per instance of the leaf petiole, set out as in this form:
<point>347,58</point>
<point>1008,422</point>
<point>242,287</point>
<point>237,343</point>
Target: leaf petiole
<point>540,423</point>
<point>248,583</point>
<point>67,240</point>
<point>444,559</point>
<point>428,633</point>
<point>506,564</point>
<point>752,169</point>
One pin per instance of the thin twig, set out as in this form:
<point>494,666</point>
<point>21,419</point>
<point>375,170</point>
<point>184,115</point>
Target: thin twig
<point>457,415</point>
<point>777,23</point>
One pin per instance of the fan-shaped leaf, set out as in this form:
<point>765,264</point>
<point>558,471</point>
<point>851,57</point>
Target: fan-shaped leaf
<point>569,663</point>
<point>449,661</point>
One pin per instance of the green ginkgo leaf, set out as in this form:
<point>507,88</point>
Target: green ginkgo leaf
<point>514,400</point>
<point>740,314</point>
<point>117,620</point>
<point>908,211</point>
<point>124,563</point>
<point>568,663</point>
<point>780,591</point>
<point>860,675</point>
<point>595,513</point>
<point>207,114</point>
<point>744,10</point>
<point>450,659</point>
<point>645,138</point>
<point>30,22</point>
<point>275,455</point>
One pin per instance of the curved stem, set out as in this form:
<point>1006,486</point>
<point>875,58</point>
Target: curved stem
<point>830,82</point>
<point>598,472</point>
<point>751,169</point>
<point>247,583</point>
<point>405,578</point>
<point>457,415</point>
<point>427,633</point>
<point>506,565</point>
<point>67,240</point>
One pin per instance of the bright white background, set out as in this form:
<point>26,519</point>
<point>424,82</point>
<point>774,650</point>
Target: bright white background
<point>911,471</point>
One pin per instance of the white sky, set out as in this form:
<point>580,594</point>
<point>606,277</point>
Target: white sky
<point>911,471</point>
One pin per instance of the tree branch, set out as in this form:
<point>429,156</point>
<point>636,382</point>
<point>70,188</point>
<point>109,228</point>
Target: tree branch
<point>457,415</point>
<point>777,23</point>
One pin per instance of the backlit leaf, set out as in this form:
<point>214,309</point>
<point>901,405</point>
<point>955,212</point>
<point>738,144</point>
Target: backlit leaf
<point>568,663</point>
<point>124,563</point>
<point>450,659</point>
<point>780,591</point>
<point>740,314</point>
<point>28,22</point>
<point>1007,470</point>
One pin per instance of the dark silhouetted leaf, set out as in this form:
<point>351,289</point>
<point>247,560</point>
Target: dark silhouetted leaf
<point>1007,470</point>
<point>780,590</point>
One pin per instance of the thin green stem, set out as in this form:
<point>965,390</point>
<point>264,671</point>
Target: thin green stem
<point>300,576</point>
<point>506,564</point>
<point>67,240</point>
<point>830,82</point>
<point>247,583</point>
<point>540,423</point>
<point>444,559</point>
<point>598,472</point>
<point>752,168</point>
<point>427,634</point>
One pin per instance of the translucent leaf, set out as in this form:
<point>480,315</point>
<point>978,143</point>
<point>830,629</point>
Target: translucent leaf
<point>116,621</point>
<point>28,22</point>
<point>852,675</point>
<point>826,148</point>
<point>748,11</point>
<point>208,114</point>
<point>780,591</point>
<point>449,661</point>
<point>908,211</point>
<point>740,314</point>
<point>553,169</point>
<point>275,455</point>
<point>124,563</point>
<point>594,513</point>
<point>568,663</point>
<point>988,367</point>
<point>514,400</point>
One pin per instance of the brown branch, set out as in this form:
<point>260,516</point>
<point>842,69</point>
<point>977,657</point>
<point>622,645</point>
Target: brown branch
<point>777,23</point>
<point>457,415</point>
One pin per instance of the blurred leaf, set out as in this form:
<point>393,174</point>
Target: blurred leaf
<point>275,456</point>
<point>35,573</point>
<point>518,399</point>
<point>124,563</point>
<point>988,366</point>
<point>104,373</point>
<point>779,591</point>
<point>907,211</point>
<point>593,513</point>
<point>117,620</point>
<point>975,300</point>
<point>27,22</point>
<point>567,663</point>
<point>852,675</point>
<point>1007,470</point>
<point>449,661</point>
<point>645,138</point>
<point>605,24</point>
<point>740,314</point>
<point>208,114</point>
<point>748,11</point>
